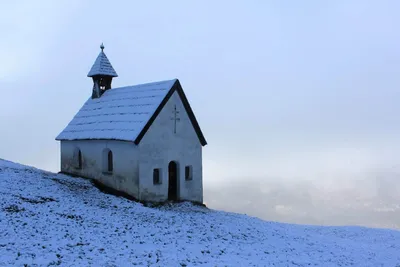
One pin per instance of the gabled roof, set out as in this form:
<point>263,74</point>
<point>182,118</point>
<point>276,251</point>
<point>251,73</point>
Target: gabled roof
<point>102,66</point>
<point>125,113</point>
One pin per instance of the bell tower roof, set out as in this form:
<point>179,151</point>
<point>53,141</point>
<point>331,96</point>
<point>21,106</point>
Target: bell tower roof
<point>102,66</point>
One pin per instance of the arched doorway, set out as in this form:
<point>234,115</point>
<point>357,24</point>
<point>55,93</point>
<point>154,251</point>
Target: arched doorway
<point>172,181</point>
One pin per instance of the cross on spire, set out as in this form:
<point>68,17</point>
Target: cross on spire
<point>175,118</point>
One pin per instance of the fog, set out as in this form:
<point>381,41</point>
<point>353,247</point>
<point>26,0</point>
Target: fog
<point>372,200</point>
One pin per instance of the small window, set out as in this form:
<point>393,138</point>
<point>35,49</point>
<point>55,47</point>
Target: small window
<point>188,173</point>
<point>156,176</point>
<point>77,158</point>
<point>110,165</point>
<point>107,163</point>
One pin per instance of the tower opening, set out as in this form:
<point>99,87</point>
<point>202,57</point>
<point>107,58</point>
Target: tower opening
<point>102,73</point>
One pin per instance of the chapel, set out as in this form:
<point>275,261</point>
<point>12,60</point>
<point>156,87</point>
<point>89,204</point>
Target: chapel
<point>142,140</point>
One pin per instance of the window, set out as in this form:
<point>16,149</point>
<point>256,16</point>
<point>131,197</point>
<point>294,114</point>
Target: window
<point>77,158</point>
<point>101,84</point>
<point>156,176</point>
<point>110,161</point>
<point>188,173</point>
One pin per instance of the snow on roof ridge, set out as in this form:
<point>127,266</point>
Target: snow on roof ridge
<point>146,84</point>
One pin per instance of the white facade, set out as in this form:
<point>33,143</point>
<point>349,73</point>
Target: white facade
<point>161,145</point>
<point>169,138</point>
<point>124,176</point>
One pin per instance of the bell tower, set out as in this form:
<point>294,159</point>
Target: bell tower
<point>102,73</point>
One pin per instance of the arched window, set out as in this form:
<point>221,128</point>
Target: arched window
<point>77,158</point>
<point>110,161</point>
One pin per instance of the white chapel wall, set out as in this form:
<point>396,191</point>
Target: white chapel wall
<point>160,145</point>
<point>124,176</point>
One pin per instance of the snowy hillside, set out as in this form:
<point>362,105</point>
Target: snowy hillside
<point>51,219</point>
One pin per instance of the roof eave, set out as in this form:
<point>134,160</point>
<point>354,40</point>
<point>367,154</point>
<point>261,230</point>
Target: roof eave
<point>95,139</point>
<point>102,74</point>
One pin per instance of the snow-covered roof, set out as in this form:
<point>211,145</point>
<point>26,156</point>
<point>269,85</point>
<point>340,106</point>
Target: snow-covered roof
<point>102,66</point>
<point>124,113</point>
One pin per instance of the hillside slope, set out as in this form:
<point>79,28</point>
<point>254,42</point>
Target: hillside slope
<point>52,219</point>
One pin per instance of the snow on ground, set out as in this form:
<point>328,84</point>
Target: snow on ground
<point>49,219</point>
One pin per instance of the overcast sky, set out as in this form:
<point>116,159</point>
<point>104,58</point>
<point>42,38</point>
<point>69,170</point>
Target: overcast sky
<point>299,100</point>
